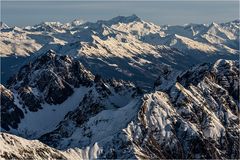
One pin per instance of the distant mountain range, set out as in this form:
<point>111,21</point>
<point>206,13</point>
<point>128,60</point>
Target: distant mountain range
<point>124,47</point>
<point>120,89</point>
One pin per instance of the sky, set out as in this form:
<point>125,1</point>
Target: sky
<point>31,12</point>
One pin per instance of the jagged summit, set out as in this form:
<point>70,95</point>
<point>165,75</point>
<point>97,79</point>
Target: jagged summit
<point>77,22</point>
<point>3,25</point>
<point>121,19</point>
<point>60,83</point>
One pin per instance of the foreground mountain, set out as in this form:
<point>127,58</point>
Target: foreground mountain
<point>197,117</point>
<point>55,85</point>
<point>55,99</point>
<point>13,147</point>
<point>124,47</point>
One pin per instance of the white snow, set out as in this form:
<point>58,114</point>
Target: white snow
<point>205,38</point>
<point>104,125</point>
<point>23,148</point>
<point>37,123</point>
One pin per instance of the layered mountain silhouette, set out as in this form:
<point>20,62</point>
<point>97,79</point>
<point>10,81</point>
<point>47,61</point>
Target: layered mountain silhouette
<point>120,89</point>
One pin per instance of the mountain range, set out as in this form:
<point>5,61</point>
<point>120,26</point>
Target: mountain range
<point>120,89</point>
<point>124,47</point>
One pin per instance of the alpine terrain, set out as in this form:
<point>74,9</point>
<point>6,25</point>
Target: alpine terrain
<point>120,89</point>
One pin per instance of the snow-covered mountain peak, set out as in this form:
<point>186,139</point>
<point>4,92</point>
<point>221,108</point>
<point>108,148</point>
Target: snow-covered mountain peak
<point>3,25</point>
<point>124,46</point>
<point>48,27</point>
<point>77,22</point>
<point>121,19</point>
<point>213,24</point>
<point>57,24</point>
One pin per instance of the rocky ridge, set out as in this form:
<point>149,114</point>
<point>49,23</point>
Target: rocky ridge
<point>194,116</point>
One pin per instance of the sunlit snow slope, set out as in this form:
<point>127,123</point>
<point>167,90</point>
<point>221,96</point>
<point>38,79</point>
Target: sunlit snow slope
<point>125,47</point>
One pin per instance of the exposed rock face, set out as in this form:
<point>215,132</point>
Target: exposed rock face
<point>197,118</point>
<point>29,99</point>
<point>104,95</point>
<point>51,80</point>
<point>205,98</point>
<point>161,131</point>
<point>48,79</point>
<point>51,75</point>
<point>193,116</point>
<point>10,113</point>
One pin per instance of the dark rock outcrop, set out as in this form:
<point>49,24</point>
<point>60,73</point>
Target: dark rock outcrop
<point>10,113</point>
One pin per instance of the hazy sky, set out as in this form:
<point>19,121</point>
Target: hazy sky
<point>23,13</point>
